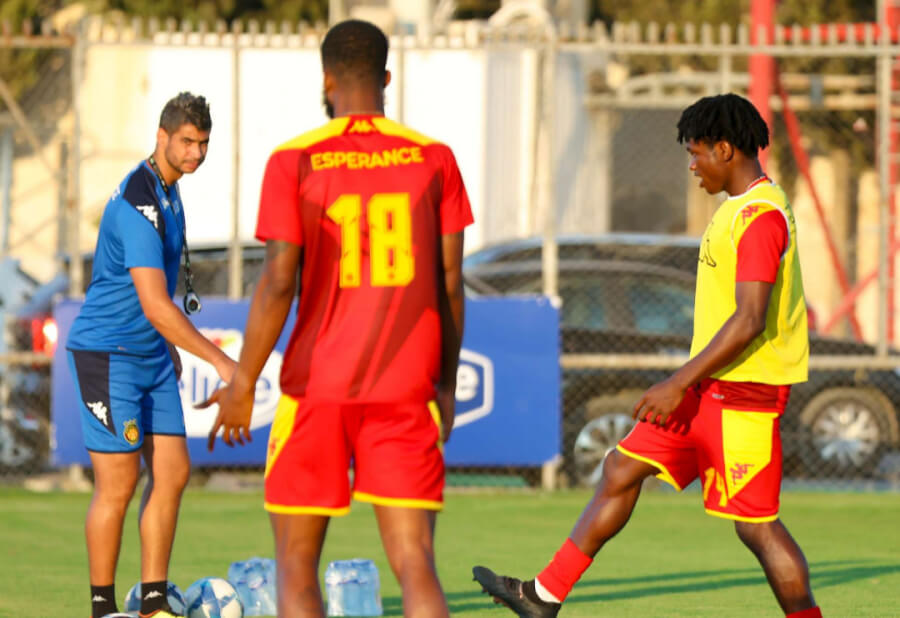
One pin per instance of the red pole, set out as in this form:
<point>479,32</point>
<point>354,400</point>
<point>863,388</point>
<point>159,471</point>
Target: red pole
<point>762,66</point>
<point>847,303</point>
<point>891,20</point>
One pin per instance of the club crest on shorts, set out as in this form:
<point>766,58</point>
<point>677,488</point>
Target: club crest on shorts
<point>131,433</point>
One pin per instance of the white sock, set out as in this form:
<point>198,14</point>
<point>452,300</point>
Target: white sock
<point>544,594</point>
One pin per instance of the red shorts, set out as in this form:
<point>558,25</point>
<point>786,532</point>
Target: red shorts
<point>395,448</point>
<point>727,433</point>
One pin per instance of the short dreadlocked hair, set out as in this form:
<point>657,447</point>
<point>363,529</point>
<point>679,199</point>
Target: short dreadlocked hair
<point>185,108</point>
<point>357,50</point>
<point>727,117</point>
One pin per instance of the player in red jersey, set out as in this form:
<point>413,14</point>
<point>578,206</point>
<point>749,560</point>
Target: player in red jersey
<point>374,213</point>
<point>716,418</point>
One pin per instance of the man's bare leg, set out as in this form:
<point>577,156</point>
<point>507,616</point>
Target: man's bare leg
<point>408,538</point>
<point>115,477</point>
<point>168,471</point>
<point>782,560</point>
<point>613,502</point>
<point>298,547</point>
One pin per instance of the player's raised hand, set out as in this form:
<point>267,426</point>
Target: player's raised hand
<point>235,411</point>
<point>658,402</point>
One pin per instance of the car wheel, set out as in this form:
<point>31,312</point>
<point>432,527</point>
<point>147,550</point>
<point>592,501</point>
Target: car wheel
<point>605,421</point>
<point>848,430</point>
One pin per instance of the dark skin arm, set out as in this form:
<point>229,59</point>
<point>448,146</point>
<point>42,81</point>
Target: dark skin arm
<point>452,312</point>
<point>747,321</point>
<point>268,313</point>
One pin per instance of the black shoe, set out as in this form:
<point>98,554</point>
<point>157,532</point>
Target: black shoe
<point>512,593</point>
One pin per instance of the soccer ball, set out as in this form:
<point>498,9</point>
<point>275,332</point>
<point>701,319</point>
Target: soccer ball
<point>212,597</point>
<point>173,596</point>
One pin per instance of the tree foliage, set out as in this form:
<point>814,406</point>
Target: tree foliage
<point>18,66</point>
<point>229,10</point>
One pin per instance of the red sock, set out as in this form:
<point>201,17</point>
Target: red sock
<point>564,570</point>
<point>813,612</point>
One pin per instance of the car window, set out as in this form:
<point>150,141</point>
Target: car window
<point>583,303</point>
<point>660,306</point>
<point>613,300</point>
<point>584,296</point>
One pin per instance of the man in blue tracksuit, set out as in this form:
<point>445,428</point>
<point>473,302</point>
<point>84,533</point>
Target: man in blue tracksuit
<point>121,351</point>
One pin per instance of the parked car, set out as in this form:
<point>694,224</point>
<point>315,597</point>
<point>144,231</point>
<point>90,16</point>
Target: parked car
<point>633,294</point>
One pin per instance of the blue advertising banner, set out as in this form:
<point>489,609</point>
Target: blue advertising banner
<point>507,395</point>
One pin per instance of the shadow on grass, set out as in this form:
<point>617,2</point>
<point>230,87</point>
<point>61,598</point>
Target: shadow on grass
<point>824,574</point>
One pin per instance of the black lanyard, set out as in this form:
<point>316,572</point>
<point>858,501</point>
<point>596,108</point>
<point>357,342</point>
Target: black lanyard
<point>191,301</point>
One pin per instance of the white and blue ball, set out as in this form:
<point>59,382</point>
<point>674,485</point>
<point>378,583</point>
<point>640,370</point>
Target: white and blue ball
<point>212,597</point>
<point>173,595</point>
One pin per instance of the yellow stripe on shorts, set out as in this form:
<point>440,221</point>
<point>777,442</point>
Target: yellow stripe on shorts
<point>436,417</point>
<point>281,429</point>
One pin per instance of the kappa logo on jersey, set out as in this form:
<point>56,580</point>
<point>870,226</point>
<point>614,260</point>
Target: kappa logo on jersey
<point>705,253</point>
<point>101,413</point>
<point>150,213</point>
<point>748,213</point>
<point>361,126</point>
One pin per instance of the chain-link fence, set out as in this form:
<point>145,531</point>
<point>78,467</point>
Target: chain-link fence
<point>627,299</point>
<point>627,251</point>
<point>35,196</point>
<point>25,417</point>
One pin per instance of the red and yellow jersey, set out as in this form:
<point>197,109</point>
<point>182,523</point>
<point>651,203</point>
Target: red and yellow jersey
<point>368,200</point>
<point>738,245</point>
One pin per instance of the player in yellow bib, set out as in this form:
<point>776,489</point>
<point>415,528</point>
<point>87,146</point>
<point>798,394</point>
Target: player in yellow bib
<point>717,417</point>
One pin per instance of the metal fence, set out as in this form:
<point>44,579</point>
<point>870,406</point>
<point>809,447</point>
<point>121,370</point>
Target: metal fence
<point>627,288</point>
<point>36,164</point>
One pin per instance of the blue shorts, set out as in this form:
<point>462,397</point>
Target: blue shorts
<point>122,397</point>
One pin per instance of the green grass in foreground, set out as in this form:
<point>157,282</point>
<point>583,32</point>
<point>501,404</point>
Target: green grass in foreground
<point>671,560</point>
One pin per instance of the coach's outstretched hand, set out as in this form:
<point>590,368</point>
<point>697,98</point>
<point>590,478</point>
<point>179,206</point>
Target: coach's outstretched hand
<point>235,409</point>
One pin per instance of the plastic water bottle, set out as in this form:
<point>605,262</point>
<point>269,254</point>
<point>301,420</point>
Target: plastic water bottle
<point>353,588</point>
<point>254,580</point>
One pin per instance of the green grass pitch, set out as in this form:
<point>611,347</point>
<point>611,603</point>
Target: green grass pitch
<point>671,560</point>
